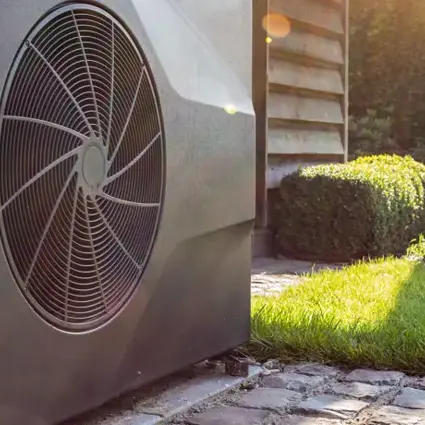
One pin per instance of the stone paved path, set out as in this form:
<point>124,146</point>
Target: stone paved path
<point>312,394</point>
<point>303,394</point>
<point>270,276</point>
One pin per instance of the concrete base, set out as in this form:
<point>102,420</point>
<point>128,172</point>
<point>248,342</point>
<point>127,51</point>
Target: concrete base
<point>262,243</point>
<point>171,397</point>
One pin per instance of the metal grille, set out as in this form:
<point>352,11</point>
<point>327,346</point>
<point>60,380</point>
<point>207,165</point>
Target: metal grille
<point>81,167</point>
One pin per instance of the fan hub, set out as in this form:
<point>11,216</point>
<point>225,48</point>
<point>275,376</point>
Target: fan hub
<point>93,166</point>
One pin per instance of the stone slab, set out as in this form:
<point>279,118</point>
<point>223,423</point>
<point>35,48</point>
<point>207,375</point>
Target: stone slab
<point>268,372</point>
<point>179,398</point>
<point>225,415</point>
<point>415,382</point>
<point>125,418</point>
<point>410,398</point>
<point>272,364</point>
<point>332,406</point>
<point>274,399</point>
<point>305,420</point>
<point>360,390</point>
<point>294,381</point>
<point>313,369</point>
<point>374,377</point>
<point>283,265</point>
<point>390,415</point>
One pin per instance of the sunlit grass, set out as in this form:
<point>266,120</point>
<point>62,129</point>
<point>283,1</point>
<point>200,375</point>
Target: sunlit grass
<point>370,314</point>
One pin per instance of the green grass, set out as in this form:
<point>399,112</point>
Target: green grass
<point>369,314</point>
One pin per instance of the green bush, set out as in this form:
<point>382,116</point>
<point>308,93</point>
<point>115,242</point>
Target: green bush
<point>373,206</point>
<point>370,134</point>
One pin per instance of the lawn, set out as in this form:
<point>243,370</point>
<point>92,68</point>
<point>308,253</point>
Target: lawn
<point>369,314</point>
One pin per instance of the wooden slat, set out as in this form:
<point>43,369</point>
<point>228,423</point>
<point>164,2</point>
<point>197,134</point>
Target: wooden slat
<point>291,141</point>
<point>305,77</point>
<point>277,169</point>
<point>291,107</point>
<point>310,46</point>
<point>310,12</point>
<point>262,243</point>
<point>260,57</point>
<point>334,3</point>
<point>346,75</point>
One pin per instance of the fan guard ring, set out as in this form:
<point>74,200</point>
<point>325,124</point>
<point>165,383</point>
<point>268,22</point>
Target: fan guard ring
<point>82,164</point>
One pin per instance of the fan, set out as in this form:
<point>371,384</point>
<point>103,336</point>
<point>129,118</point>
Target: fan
<point>82,165</point>
<point>127,196</point>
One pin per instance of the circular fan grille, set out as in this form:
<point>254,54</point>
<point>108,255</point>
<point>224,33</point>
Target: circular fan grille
<point>81,167</point>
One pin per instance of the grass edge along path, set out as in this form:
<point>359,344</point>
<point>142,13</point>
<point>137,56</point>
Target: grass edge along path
<point>368,314</point>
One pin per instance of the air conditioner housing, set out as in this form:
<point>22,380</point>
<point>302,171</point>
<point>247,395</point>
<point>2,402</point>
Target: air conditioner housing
<point>190,297</point>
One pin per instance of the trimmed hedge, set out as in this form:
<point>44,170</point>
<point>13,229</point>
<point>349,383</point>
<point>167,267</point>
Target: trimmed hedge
<point>373,206</point>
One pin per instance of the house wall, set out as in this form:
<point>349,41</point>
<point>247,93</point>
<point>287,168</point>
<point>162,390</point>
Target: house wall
<point>300,90</point>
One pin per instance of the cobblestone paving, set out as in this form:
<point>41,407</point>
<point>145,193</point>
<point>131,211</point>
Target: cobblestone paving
<point>270,276</point>
<point>312,394</point>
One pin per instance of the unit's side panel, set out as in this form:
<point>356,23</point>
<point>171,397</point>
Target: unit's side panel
<point>346,73</point>
<point>307,85</point>
<point>260,98</point>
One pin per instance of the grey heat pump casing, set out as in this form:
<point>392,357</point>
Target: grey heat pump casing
<point>192,299</point>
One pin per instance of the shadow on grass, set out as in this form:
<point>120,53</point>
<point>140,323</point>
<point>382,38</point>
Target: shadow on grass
<point>395,340</point>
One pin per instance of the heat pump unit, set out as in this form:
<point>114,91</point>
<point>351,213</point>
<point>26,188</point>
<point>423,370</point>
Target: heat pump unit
<point>127,196</point>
